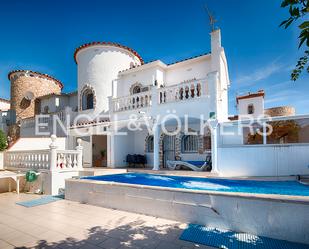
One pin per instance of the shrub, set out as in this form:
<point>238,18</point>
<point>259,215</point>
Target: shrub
<point>3,141</point>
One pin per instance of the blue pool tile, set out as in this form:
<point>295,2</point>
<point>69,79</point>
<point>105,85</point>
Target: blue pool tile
<point>292,188</point>
<point>231,240</point>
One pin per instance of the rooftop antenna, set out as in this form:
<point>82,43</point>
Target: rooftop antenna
<point>212,19</point>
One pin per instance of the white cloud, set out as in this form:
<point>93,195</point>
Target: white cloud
<point>282,96</point>
<point>259,74</point>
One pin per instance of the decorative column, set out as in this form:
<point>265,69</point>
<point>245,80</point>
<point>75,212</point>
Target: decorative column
<point>214,144</point>
<point>213,82</point>
<point>53,153</point>
<point>264,133</point>
<point>111,150</point>
<point>110,105</point>
<point>154,101</point>
<point>156,147</point>
<point>79,148</point>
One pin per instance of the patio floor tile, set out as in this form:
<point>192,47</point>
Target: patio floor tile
<point>67,225</point>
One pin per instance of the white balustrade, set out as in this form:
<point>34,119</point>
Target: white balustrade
<point>52,159</point>
<point>67,159</point>
<point>182,92</point>
<point>36,159</point>
<point>132,102</point>
<point>188,90</point>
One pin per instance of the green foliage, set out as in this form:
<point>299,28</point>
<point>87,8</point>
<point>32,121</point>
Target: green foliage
<point>300,66</point>
<point>298,9</point>
<point>3,141</point>
<point>103,153</point>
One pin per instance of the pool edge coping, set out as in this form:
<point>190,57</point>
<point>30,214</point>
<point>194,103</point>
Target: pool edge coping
<point>269,197</point>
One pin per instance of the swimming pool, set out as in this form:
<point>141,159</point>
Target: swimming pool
<point>292,188</point>
<point>275,209</point>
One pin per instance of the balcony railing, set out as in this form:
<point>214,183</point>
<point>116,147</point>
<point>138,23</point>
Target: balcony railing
<point>51,159</point>
<point>131,102</point>
<point>30,159</point>
<point>180,92</point>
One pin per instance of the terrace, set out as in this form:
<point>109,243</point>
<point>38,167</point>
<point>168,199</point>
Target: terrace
<point>66,224</point>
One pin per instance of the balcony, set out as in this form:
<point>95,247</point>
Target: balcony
<point>132,102</point>
<point>185,91</point>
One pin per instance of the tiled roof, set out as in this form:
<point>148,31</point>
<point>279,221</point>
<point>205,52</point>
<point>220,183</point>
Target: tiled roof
<point>107,44</point>
<point>260,93</point>
<point>232,118</point>
<point>86,123</point>
<point>186,59</point>
<point>136,66</point>
<point>46,76</point>
<point>58,94</point>
<point>5,100</point>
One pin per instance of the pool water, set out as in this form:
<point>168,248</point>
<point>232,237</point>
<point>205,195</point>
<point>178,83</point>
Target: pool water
<point>212,184</point>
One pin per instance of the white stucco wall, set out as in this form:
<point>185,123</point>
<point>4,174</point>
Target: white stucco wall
<point>230,134</point>
<point>257,102</point>
<point>98,66</point>
<point>38,143</point>
<point>187,70</point>
<point>196,68</point>
<point>264,160</point>
<point>144,77</point>
<point>123,145</point>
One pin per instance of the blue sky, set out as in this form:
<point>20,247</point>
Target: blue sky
<point>42,36</point>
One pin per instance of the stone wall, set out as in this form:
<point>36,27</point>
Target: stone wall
<point>178,152</point>
<point>280,111</point>
<point>23,82</point>
<point>13,133</point>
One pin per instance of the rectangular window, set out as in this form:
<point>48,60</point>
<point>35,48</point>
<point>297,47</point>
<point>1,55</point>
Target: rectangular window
<point>190,144</point>
<point>253,134</point>
<point>57,102</point>
<point>289,131</point>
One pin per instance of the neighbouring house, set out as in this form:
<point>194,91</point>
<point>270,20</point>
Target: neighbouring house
<point>4,104</point>
<point>252,105</point>
<point>7,116</point>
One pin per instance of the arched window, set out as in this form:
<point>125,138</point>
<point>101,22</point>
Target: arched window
<point>189,144</point>
<point>250,109</point>
<point>136,89</point>
<point>87,98</point>
<point>149,144</point>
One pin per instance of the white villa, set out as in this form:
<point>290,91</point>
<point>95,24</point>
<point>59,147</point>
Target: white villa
<point>119,93</point>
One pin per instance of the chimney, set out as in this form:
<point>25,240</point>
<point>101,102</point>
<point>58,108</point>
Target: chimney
<point>215,40</point>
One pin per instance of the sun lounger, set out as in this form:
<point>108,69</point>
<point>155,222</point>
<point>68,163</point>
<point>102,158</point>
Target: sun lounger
<point>193,165</point>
